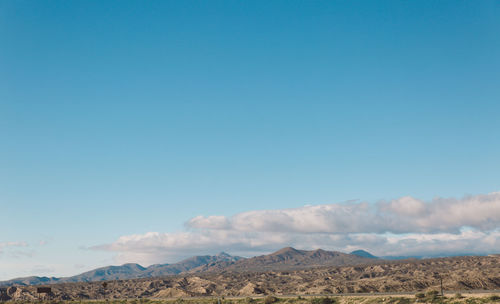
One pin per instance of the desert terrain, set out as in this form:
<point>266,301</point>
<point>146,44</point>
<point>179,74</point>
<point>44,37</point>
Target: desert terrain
<point>458,275</point>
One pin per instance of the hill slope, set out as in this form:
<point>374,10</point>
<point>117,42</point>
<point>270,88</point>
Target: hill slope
<point>291,258</point>
<point>285,259</point>
<point>457,273</point>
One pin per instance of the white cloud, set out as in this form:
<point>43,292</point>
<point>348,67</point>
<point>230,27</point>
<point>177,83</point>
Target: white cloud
<point>209,222</point>
<point>402,215</point>
<point>404,226</point>
<point>331,218</point>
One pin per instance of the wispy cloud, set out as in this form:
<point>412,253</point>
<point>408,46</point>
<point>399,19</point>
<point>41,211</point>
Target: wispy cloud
<point>5,245</point>
<point>42,269</point>
<point>16,249</point>
<point>13,244</point>
<point>404,226</point>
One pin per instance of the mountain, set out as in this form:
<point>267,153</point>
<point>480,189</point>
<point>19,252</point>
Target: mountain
<point>127,271</point>
<point>467,273</point>
<point>30,281</point>
<point>285,259</point>
<point>364,254</point>
<point>288,259</point>
<point>188,264</point>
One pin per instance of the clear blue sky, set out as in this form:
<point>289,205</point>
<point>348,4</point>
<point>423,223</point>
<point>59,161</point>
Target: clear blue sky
<point>123,117</point>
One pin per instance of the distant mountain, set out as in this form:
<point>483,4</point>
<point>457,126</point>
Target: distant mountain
<point>30,281</point>
<point>285,259</point>
<point>188,265</point>
<point>290,258</point>
<point>364,254</point>
<point>402,257</point>
<point>127,271</point>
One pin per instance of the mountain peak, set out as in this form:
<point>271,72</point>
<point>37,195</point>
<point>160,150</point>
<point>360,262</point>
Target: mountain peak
<point>319,251</point>
<point>364,254</point>
<point>286,251</point>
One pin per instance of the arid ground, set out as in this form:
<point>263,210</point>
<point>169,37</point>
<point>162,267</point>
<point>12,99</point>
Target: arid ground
<point>458,275</point>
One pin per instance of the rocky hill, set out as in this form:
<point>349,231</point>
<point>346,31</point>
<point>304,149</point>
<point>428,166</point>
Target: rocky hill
<point>458,274</point>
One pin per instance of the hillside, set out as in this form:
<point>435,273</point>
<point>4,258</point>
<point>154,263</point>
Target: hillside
<point>284,259</point>
<point>457,273</point>
<point>290,258</point>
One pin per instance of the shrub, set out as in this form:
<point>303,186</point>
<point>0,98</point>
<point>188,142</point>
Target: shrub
<point>270,300</point>
<point>325,300</point>
<point>494,298</point>
<point>458,296</point>
<point>419,295</point>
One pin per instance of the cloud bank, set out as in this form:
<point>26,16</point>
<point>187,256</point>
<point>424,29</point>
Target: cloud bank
<point>404,226</point>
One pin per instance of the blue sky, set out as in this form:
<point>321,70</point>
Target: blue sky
<point>123,118</point>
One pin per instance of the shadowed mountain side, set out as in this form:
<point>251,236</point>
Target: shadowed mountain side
<point>33,280</point>
<point>189,264</point>
<point>364,254</point>
<point>126,271</point>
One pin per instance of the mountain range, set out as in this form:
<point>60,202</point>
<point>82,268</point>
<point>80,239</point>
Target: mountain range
<point>285,259</point>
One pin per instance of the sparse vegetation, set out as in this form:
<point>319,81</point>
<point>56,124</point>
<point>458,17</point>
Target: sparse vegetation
<point>270,300</point>
<point>432,293</point>
<point>430,298</point>
<point>325,300</point>
<point>419,295</point>
<point>458,274</point>
<point>494,298</point>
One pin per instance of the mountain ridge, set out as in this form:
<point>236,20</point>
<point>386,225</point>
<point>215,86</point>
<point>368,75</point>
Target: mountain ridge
<point>284,259</point>
<point>289,258</point>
